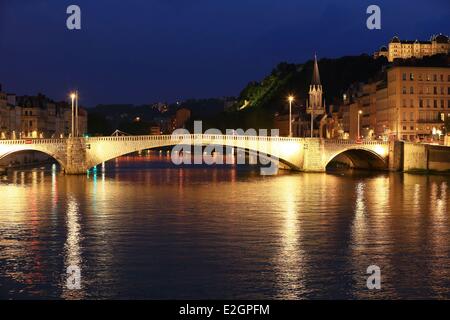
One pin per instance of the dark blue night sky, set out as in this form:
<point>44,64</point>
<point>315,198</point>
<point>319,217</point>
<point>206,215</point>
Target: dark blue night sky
<point>142,51</point>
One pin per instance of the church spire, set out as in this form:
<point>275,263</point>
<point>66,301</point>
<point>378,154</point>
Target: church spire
<point>316,74</point>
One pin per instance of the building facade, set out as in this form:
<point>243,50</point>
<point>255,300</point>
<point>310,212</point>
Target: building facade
<point>418,101</point>
<point>36,117</point>
<point>405,49</point>
<point>411,103</point>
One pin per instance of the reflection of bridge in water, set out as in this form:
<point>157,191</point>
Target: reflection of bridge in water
<point>77,155</point>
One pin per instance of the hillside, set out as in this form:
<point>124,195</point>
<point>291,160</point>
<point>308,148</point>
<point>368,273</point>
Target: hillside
<point>265,98</point>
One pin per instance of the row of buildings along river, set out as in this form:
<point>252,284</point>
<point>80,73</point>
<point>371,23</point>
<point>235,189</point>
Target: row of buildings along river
<point>31,117</point>
<point>36,117</point>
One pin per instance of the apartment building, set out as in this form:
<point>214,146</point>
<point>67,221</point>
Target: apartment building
<point>409,103</point>
<point>418,101</point>
<point>36,117</point>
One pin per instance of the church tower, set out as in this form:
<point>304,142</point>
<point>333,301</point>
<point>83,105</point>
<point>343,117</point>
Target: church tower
<point>315,105</point>
<point>315,91</point>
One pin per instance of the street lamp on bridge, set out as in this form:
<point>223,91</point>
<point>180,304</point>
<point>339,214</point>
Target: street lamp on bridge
<point>290,99</point>
<point>74,99</point>
<point>359,123</point>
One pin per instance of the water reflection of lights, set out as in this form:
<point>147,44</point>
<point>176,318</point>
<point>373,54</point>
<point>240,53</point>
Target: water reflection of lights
<point>440,200</point>
<point>439,237</point>
<point>290,259</point>
<point>359,226</point>
<point>72,246</point>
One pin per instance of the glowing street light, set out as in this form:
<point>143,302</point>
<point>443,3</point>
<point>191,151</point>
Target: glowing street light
<point>74,99</point>
<point>76,115</point>
<point>359,125</point>
<point>290,99</point>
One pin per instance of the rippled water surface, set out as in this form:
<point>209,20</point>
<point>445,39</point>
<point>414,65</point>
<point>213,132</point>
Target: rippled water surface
<point>142,228</point>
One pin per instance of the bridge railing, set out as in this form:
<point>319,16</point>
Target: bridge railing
<point>193,137</point>
<point>366,142</point>
<point>196,137</point>
<point>33,141</point>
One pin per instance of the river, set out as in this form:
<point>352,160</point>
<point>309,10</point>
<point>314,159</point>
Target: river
<point>141,227</point>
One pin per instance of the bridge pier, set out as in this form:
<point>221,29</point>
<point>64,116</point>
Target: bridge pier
<point>76,157</point>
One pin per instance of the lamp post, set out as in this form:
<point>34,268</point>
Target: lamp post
<point>76,114</point>
<point>291,99</point>
<point>72,98</point>
<point>359,125</point>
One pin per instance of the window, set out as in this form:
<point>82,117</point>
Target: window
<point>428,77</point>
<point>411,76</point>
<point>442,77</point>
<point>434,90</point>
<point>404,103</point>
<point>428,103</point>
<point>448,104</point>
<point>435,104</point>
<point>411,116</point>
<point>434,77</point>
<point>404,90</point>
<point>404,76</point>
<point>442,90</point>
<point>442,104</point>
<point>420,77</point>
<point>411,90</point>
<point>448,90</point>
<point>420,103</point>
<point>411,103</point>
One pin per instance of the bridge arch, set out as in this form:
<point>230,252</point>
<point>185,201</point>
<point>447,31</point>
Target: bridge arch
<point>107,148</point>
<point>358,158</point>
<point>249,152</point>
<point>5,155</point>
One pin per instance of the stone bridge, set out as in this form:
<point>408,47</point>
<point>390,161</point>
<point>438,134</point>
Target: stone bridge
<point>77,155</point>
